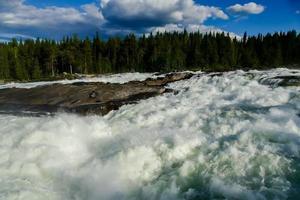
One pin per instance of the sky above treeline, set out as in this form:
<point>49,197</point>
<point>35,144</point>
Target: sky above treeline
<point>57,18</point>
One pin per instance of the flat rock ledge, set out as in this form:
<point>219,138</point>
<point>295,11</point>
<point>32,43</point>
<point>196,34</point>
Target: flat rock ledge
<point>83,98</point>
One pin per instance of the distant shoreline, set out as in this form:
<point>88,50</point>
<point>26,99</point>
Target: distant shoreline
<point>67,76</point>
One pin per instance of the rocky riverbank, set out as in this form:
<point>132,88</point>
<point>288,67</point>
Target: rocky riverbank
<point>83,98</point>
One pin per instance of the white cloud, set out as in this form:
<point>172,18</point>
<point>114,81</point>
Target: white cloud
<point>250,8</point>
<point>190,28</point>
<point>158,12</point>
<point>6,4</point>
<point>92,11</point>
<point>110,17</point>
<point>17,13</point>
<point>18,17</point>
<point>6,37</point>
<point>14,35</point>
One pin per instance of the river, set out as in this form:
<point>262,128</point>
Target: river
<point>230,136</point>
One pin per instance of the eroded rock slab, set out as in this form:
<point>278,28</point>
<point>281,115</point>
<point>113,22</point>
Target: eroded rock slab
<point>83,98</point>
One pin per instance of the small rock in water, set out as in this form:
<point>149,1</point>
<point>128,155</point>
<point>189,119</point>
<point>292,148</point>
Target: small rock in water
<point>289,81</point>
<point>176,92</point>
<point>93,95</point>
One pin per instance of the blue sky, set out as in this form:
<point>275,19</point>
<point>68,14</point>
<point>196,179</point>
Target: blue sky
<point>57,18</point>
<point>279,15</point>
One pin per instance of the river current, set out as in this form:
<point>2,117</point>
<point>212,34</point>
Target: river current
<point>230,136</point>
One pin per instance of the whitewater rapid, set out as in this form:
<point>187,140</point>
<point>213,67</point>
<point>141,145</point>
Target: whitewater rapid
<point>114,78</point>
<point>220,137</point>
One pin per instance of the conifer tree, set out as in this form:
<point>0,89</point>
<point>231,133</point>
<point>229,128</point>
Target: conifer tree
<point>4,65</point>
<point>36,73</point>
<point>156,52</point>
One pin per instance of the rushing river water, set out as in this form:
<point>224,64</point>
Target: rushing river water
<point>235,136</point>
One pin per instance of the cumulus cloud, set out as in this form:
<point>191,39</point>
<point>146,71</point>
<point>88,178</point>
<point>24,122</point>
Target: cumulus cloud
<point>13,35</point>
<point>148,13</point>
<point>4,4</point>
<point>145,16</point>
<point>250,8</point>
<point>190,28</point>
<point>109,17</point>
<point>6,37</point>
<point>16,15</point>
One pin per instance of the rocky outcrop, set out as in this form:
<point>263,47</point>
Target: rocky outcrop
<point>288,81</point>
<point>83,98</point>
<point>282,81</point>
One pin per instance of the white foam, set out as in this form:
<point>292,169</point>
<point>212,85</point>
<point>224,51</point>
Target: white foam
<point>116,78</point>
<point>221,137</point>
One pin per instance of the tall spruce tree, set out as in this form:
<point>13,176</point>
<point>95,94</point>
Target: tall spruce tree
<point>4,65</point>
<point>36,73</point>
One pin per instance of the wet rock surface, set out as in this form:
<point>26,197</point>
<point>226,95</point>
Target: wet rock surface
<point>289,81</point>
<point>282,81</point>
<point>83,98</point>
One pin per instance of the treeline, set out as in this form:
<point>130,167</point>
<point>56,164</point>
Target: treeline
<point>162,52</point>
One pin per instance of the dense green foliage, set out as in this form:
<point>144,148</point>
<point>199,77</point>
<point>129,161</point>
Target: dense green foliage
<point>34,59</point>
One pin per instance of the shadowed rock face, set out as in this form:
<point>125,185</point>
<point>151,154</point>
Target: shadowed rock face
<point>83,98</point>
<point>289,80</point>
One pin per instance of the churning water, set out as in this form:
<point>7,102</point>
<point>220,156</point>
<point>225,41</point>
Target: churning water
<point>221,137</point>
